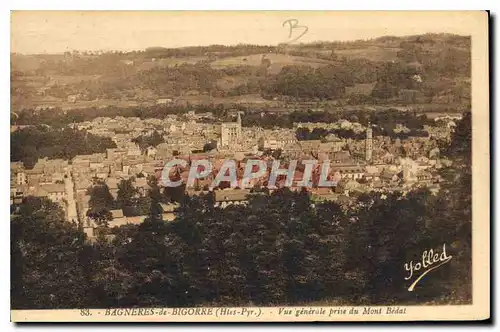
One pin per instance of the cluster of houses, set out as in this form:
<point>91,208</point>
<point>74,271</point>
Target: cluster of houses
<point>374,164</point>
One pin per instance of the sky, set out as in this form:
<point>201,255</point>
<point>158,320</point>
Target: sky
<point>60,31</point>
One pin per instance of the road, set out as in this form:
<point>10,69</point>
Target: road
<point>70,197</point>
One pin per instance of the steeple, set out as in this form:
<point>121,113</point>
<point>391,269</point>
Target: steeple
<point>369,143</point>
<point>238,119</point>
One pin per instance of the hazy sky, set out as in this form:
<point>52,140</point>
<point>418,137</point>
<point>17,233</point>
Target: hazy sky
<point>54,32</point>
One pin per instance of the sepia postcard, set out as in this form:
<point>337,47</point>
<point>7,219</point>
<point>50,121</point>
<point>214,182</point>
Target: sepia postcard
<point>259,166</point>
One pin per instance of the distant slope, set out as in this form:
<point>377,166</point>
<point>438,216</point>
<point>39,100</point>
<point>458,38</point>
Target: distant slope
<point>374,53</point>
<point>276,59</point>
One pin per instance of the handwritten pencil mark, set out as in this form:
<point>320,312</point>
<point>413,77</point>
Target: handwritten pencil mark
<point>294,24</point>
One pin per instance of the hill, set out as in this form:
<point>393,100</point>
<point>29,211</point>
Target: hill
<point>411,69</point>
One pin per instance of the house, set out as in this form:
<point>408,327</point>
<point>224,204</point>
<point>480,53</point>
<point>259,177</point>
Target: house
<point>434,153</point>
<point>416,66</point>
<point>119,218</point>
<point>323,194</point>
<point>168,213</point>
<point>102,173</point>
<point>18,174</point>
<point>310,146</point>
<point>360,89</point>
<point>142,185</point>
<point>163,101</point>
<point>417,78</point>
<point>112,184</point>
<point>346,185</point>
<point>17,194</point>
<point>96,160</point>
<point>115,153</point>
<point>151,151</point>
<point>72,98</point>
<point>127,62</point>
<point>135,220</point>
<point>133,150</point>
<point>81,161</point>
<point>424,177</point>
<point>82,184</point>
<point>345,201</point>
<point>340,157</point>
<point>334,145</point>
<point>268,144</point>
<point>88,228</point>
<point>349,171</point>
<point>389,176</point>
<point>410,95</point>
<point>54,191</point>
<point>388,158</point>
<point>226,197</point>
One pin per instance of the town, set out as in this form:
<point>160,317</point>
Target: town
<point>177,161</point>
<point>375,163</point>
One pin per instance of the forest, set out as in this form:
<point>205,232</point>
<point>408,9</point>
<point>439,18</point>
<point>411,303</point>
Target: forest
<point>30,144</point>
<point>423,69</point>
<point>281,249</point>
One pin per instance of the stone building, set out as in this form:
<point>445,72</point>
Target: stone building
<point>369,144</point>
<point>231,133</point>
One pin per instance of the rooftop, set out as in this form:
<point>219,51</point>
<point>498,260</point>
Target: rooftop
<point>231,195</point>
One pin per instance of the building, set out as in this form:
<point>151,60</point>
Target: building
<point>424,177</point>
<point>410,95</point>
<point>226,197</point>
<point>151,151</point>
<point>72,98</point>
<point>346,185</point>
<point>349,171</point>
<point>118,218</point>
<point>163,101</point>
<point>231,133</point>
<point>55,192</point>
<point>168,211</point>
<point>389,176</point>
<point>369,144</point>
<point>18,174</point>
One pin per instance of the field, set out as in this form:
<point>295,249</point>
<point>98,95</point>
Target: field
<point>169,62</point>
<point>230,82</point>
<point>360,89</point>
<point>276,59</point>
<point>371,53</point>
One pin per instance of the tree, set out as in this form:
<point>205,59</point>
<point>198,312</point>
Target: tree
<point>101,217</point>
<point>302,134</point>
<point>386,232</point>
<point>30,144</point>
<point>173,194</point>
<point>209,146</point>
<point>100,197</point>
<point>454,217</point>
<point>152,139</point>
<point>384,90</point>
<point>127,193</point>
<point>461,140</point>
<point>47,269</point>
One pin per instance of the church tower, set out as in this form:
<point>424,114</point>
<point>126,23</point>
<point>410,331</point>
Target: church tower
<point>369,144</point>
<point>238,119</point>
<point>231,133</point>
